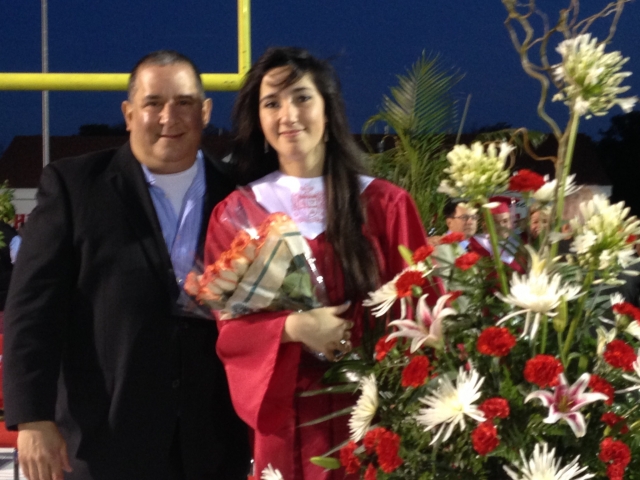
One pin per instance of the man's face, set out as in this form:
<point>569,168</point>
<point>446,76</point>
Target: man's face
<point>463,222</point>
<point>165,117</point>
<point>503,224</point>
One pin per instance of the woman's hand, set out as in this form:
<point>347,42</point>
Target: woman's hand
<point>320,329</point>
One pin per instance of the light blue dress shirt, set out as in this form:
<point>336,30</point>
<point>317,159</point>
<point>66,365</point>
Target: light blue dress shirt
<point>180,230</point>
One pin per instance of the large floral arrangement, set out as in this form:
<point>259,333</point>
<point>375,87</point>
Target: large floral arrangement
<point>526,371</point>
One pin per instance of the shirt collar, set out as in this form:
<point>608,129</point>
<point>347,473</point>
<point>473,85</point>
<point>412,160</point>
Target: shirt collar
<point>150,177</point>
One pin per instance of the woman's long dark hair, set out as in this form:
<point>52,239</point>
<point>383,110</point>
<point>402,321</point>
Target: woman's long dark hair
<point>342,166</point>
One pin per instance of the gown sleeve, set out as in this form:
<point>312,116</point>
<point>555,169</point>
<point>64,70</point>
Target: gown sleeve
<point>261,371</point>
<point>393,219</point>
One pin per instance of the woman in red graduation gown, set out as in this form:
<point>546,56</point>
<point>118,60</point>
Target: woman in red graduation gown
<point>292,135</point>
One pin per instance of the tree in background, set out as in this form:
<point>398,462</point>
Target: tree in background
<point>419,113</point>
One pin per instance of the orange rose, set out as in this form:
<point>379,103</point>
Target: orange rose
<point>192,284</point>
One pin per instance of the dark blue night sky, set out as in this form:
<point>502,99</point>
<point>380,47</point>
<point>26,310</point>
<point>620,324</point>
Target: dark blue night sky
<point>370,41</point>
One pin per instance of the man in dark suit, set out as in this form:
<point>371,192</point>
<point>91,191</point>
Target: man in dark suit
<point>105,376</point>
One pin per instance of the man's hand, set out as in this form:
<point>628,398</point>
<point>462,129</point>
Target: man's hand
<point>42,452</point>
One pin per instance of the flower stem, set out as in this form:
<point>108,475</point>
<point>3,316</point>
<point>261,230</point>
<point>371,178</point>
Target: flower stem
<point>545,330</point>
<point>586,285</point>
<point>574,121</point>
<point>493,236</point>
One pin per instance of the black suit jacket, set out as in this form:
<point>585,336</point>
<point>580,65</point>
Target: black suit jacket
<point>94,339</point>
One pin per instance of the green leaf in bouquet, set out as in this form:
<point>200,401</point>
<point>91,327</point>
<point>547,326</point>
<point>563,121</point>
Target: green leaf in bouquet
<point>297,285</point>
<point>346,388</point>
<point>346,371</point>
<point>331,416</point>
<point>330,463</point>
<point>406,254</point>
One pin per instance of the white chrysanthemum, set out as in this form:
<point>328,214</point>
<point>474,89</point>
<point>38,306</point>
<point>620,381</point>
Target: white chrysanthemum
<point>591,78</point>
<point>536,292</point>
<point>271,473</point>
<point>365,409</point>
<point>476,174</point>
<point>544,466</point>
<point>545,194</point>
<point>384,298</point>
<point>601,235</point>
<point>449,404</point>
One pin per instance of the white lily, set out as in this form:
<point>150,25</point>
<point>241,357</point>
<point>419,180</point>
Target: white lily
<point>426,329</point>
<point>565,402</point>
<point>591,78</point>
<point>365,409</point>
<point>449,404</point>
<point>544,466</point>
<point>271,473</point>
<point>536,292</point>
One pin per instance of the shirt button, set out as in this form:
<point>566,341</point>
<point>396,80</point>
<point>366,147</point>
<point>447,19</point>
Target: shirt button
<point>175,383</point>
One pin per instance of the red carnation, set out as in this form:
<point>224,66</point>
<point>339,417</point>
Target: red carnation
<point>495,341</point>
<point>495,407</point>
<point>600,385</point>
<point>525,181</point>
<point>617,454</point>
<point>371,472</point>
<point>624,308</point>
<point>414,374</point>
<point>543,370</point>
<point>371,439</point>
<point>454,295</point>
<point>612,420</point>
<point>387,450</point>
<point>632,238</point>
<point>408,280</point>
<point>383,347</point>
<point>620,354</point>
<point>467,260</point>
<point>422,253</point>
<point>485,438</point>
<point>348,459</point>
<point>615,471</point>
<point>453,237</point>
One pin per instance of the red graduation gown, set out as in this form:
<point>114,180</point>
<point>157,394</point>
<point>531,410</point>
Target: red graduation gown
<point>265,375</point>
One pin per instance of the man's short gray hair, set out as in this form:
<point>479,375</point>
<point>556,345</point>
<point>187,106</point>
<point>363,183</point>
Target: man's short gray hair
<point>162,58</point>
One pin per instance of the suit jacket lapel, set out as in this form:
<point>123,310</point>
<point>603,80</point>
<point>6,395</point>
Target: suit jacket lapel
<point>219,185</point>
<point>130,185</point>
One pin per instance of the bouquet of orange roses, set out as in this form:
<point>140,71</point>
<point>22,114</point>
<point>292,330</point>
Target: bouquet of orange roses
<point>268,267</point>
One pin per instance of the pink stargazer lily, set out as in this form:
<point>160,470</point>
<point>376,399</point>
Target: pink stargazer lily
<point>426,329</point>
<point>565,402</point>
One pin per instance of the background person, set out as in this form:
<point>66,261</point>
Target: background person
<point>104,377</point>
<point>292,134</point>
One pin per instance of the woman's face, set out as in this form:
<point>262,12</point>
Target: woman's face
<point>293,122</point>
<point>539,222</point>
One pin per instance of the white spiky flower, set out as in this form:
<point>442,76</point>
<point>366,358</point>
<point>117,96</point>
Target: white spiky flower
<point>545,194</point>
<point>590,77</point>
<point>475,173</point>
<point>448,406</point>
<point>538,292</point>
<point>271,473</point>
<point>544,466</point>
<point>365,409</point>
<point>384,298</point>
<point>601,235</point>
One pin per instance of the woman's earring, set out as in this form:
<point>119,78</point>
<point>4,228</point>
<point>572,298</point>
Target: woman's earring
<point>266,146</point>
